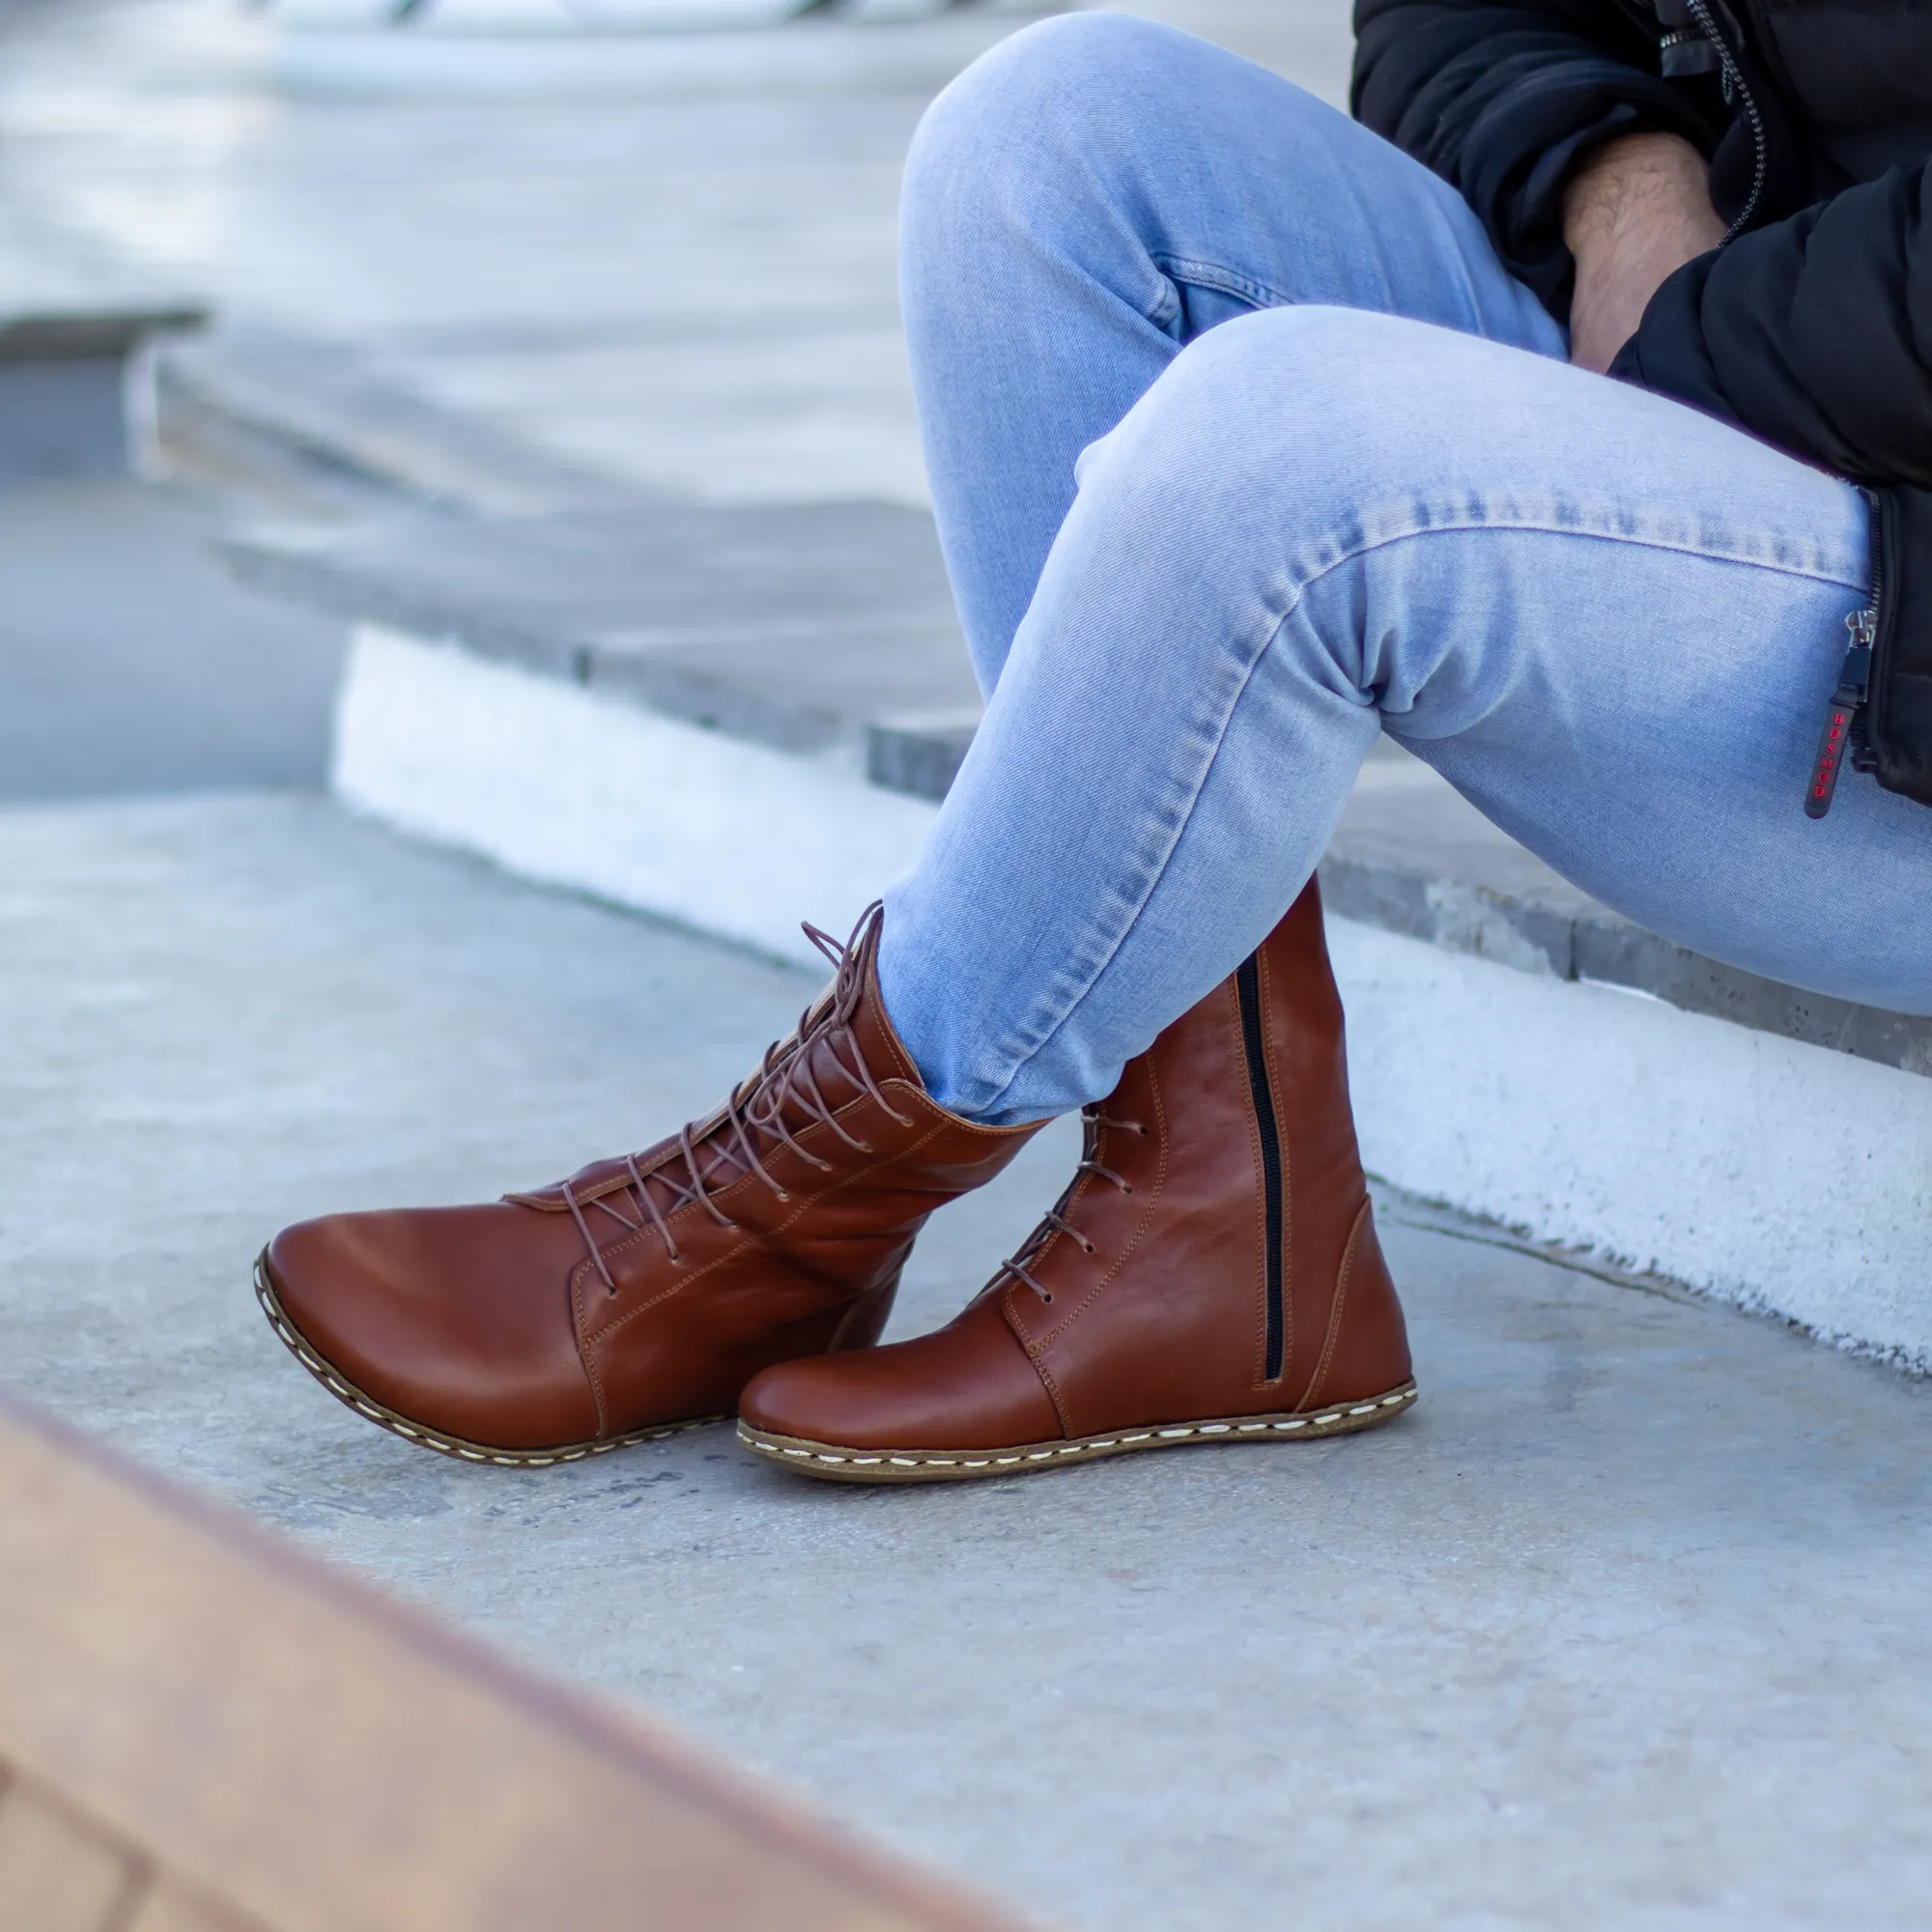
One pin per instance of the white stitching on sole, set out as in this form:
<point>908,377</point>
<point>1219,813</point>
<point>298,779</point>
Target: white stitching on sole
<point>1330,1419</point>
<point>446,1445</point>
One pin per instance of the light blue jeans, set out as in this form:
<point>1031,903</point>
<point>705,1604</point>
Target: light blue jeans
<point>1244,447</point>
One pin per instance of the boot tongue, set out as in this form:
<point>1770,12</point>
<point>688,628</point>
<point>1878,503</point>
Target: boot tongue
<point>871,1025</point>
<point>846,1038</point>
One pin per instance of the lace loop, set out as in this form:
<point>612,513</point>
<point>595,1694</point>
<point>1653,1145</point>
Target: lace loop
<point>728,1150</point>
<point>584,1228</point>
<point>1017,1266</point>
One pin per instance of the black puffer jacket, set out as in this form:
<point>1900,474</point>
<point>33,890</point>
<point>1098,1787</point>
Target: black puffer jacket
<point>1812,326</point>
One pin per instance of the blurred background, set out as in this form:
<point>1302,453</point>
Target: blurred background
<point>501,255</point>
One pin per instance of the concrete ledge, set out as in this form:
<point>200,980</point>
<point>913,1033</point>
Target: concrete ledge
<point>1413,857</point>
<point>1778,1175</point>
<point>558,783</point>
<point>70,327</point>
<point>742,719</point>
<point>310,423</point>
<point>810,628</point>
<point>826,632</point>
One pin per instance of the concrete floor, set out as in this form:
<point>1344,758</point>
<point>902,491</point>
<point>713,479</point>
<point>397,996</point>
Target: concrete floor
<point>1625,1625</point>
<point>130,659</point>
<point>693,293</point>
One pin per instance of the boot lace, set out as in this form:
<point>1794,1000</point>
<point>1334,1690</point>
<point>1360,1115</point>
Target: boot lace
<point>1018,1266</point>
<point>729,1140</point>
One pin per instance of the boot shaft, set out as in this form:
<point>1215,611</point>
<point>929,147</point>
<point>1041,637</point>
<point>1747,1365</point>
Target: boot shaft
<point>1330,1294</point>
<point>1221,1235</point>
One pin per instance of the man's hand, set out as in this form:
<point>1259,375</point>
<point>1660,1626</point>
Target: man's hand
<point>1637,210</point>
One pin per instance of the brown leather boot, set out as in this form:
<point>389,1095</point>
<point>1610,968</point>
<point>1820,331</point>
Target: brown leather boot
<point>641,1294</point>
<point>1212,1274</point>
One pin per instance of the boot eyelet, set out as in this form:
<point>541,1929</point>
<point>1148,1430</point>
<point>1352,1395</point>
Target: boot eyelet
<point>1088,1246</point>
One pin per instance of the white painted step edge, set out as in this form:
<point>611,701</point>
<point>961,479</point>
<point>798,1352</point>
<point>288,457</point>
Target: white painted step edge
<point>554,784</point>
<point>1784,1177</point>
<point>1778,1176</point>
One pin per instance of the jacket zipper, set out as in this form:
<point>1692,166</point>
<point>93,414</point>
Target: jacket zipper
<point>1846,726</point>
<point>1248,987</point>
<point>1737,87</point>
<point>1846,736</point>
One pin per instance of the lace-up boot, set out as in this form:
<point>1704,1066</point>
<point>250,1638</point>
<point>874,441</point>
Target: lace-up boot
<point>1212,1274</point>
<point>639,1295</point>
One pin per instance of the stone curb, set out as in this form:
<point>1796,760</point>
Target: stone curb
<point>826,631</point>
<point>1415,857</point>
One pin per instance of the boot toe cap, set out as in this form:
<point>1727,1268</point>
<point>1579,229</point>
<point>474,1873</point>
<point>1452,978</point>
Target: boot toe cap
<point>968,1386</point>
<point>447,1318</point>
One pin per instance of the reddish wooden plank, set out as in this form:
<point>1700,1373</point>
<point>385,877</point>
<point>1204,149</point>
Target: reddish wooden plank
<point>166,1907</point>
<point>316,1757</point>
<point>56,1875</point>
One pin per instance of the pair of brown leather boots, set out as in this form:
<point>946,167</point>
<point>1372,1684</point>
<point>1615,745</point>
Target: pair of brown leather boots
<point>1210,1274</point>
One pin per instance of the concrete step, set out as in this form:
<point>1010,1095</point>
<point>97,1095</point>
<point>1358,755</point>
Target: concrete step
<point>312,428</point>
<point>738,718</point>
<point>742,718</point>
<point>72,324</point>
<point>1522,1051</point>
<point>872,45</point>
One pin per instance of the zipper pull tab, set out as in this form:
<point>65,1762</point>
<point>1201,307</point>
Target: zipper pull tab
<point>1853,687</point>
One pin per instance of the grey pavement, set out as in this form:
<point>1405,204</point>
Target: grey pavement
<point>1625,1625</point>
<point>130,662</point>
<point>693,291</point>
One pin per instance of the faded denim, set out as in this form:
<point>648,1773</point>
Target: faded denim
<point>1244,447</point>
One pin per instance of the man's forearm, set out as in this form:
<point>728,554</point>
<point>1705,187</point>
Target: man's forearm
<point>1637,210</point>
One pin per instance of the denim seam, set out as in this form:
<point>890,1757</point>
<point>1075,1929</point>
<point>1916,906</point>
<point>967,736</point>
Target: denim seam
<point>1537,526</point>
<point>1167,309</point>
<point>1299,593</point>
<point>1210,275</point>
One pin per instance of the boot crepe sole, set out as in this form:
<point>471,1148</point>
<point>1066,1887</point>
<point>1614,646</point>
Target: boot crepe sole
<point>832,1464</point>
<point>367,1406</point>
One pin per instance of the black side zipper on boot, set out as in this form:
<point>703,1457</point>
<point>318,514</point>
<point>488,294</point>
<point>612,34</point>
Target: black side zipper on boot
<point>1248,986</point>
<point>1846,733</point>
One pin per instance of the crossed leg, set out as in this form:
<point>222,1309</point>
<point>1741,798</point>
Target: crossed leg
<point>1244,447</point>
